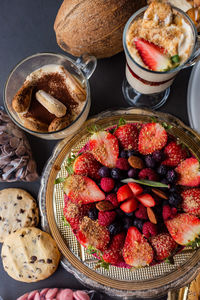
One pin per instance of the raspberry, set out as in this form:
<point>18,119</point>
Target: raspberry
<point>163,245</point>
<point>107,184</point>
<point>113,199</point>
<point>105,218</point>
<point>141,212</point>
<point>166,212</point>
<point>149,229</point>
<point>113,254</point>
<point>122,164</point>
<point>148,174</point>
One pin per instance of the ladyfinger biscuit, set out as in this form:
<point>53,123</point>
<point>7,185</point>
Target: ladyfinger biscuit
<point>34,124</point>
<point>22,99</point>
<point>76,91</point>
<point>53,105</point>
<point>59,123</point>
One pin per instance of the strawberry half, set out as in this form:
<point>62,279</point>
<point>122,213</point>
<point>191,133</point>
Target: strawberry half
<point>113,254</point>
<point>191,201</point>
<point>147,200</point>
<point>127,136</point>
<point>163,245</point>
<point>174,154</point>
<point>152,137</point>
<point>105,148</point>
<point>124,193</point>
<point>135,188</point>
<point>82,190</point>
<point>153,56</point>
<point>189,173</point>
<point>129,205</point>
<point>137,252</point>
<point>184,228</point>
<point>85,164</point>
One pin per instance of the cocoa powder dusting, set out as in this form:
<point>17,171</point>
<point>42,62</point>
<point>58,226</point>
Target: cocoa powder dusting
<point>54,84</point>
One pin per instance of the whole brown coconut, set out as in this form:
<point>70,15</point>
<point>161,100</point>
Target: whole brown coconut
<point>93,26</point>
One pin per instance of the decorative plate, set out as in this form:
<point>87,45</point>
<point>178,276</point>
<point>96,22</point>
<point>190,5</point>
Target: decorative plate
<point>146,282</point>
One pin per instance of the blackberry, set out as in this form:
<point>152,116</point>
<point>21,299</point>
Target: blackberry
<point>172,176</point>
<point>162,170</point>
<point>128,222</point>
<point>132,173</point>
<point>158,156</point>
<point>115,228</point>
<point>123,154</point>
<point>93,213</point>
<point>173,189</point>
<point>104,172</point>
<point>116,173</point>
<point>150,161</point>
<point>138,224</point>
<point>174,199</point>
<point>131,153</point>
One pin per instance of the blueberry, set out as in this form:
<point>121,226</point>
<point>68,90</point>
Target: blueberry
<point>115,228</point>
<point>104,172</point>
<point>132,173</point>
<point>131,153</point>
<point>120,212</point>
<point>173,189</point>
<point>93,213</point>
<point>128,222</point>
<point>158,156</point>
<point>123,154</point>
<point>130,214</point>
<point>174,199</point>
<point>150,161</point>
<point>162,170</point>
<point>171,176</point>
<point>138,223</point>
<point>116,173</point>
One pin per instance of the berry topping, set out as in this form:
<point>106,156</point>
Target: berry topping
<point>153,56</point>
<point>135,188</point>
<point>104,146</point>
<point>163,246</point>
<point>82,189</point>
<point>122,164</point>
<point>149,229</point>
<point>158,156</point>
<point>148,174</point>
<point>152,137</point>
<point>86,164</point>
<point>135,162</point>
<point>105,218</point>
<point>107,184</point>
<point>150,161</point>
<point>137,252</point>
<point>93,213</point>
<point>141,212</point>
<point>171,176</point>
<point>129,205</point>
<point>184,228</point>
<point>132,173</point>
<point>104,172</point>
<point>113,199</point>
<point>191,201</point>
<point>127,136</point>
<point>174,154</point>
<point>116,174</point>
<point>124,193</point>
<point>162,170</point>
<point>188,171</point>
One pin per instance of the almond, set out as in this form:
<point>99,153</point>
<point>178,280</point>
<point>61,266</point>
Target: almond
<point>151,215</point>
<point>159,193</point>
<point>136,162</point>
<point>104,205</point>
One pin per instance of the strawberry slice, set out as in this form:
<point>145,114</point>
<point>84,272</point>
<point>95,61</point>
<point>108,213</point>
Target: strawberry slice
<point>123,193</point>
<point>174,154</point>
<point>137,252</point>
<point>152,137</point>
<point>153,56</point>
<point>129,205</point>
<point>82,190</point>
<point>85,164</point>
<point>127,136</point>
<point>163,245</point>
<point>147,200</point>
<point>184,228</point>
<point>105,148</point>
<point>188,171</point>
<point>135,188</point>
<point>191,201</point>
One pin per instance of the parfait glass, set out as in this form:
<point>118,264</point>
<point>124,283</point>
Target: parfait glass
<point>146,88</point>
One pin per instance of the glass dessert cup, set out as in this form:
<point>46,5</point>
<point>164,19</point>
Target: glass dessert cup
<point>146,88</point>
<point>146,282</point>
<point>81,69</point>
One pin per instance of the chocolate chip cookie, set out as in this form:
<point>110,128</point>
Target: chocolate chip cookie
<point>30,255</point>
<point>18,209</point>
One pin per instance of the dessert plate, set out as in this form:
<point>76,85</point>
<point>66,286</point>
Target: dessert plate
<point>193,103</point>
<point>145,282</point>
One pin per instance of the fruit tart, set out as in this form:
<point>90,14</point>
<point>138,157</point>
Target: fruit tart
<point>132,195</point>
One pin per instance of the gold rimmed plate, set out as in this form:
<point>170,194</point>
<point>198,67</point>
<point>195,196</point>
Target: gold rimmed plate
<point>145,282</point>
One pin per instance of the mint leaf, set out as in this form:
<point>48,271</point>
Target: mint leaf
<point>167,126</point>
<point>91,250</point>
<point>59,180</point>
<point>146,182</point>
<point>175,59</point>
<point>170,260</point>
<point>93,128</point>
<point>121,122</point>
<point>153,120</point>
<point>194,244</point>
<point>105,265</point>
<point>65,222</point>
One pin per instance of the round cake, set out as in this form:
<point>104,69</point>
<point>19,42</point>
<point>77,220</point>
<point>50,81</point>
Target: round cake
<point>132,195</point>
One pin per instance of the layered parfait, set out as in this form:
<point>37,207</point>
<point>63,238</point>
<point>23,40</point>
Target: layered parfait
<point>160,40</point>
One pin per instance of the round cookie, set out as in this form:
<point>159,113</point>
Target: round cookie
<point>18,209</point>
<point>30,255</point>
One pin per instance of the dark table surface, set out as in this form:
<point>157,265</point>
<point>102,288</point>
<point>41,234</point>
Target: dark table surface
<point>26,27</point>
